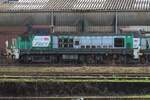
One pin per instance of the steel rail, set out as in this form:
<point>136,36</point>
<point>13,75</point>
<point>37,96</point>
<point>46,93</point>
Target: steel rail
<point>74,65</point>
<point>79,98</point>
<point>43,74</point>
<point>83,76</point>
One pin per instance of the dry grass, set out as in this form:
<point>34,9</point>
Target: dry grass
<point>77,69</point>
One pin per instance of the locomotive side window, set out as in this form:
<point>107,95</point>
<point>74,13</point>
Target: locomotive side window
<point>98,46</point>
<point>119,42</point>
<point>93,46</point>
<point>76,42</point>
<point>82,46</point>
<point>87,46</point>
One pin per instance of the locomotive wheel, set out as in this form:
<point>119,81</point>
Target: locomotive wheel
<point>82,59</point>
<point>108,59</point>
<point>142,60</point>
<point>99,59</point>
<point>122,59</point>
<point>148,58</point>
<point>59,59</point>
<point>53,59</point>
<point>129,59</point>
<point>90,59</point>
<point>21,59</point>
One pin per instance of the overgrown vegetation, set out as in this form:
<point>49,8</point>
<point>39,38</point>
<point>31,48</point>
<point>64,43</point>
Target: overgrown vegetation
<point>73,89</point>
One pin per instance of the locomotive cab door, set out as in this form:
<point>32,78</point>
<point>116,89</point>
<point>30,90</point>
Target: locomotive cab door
<point>136,46</point>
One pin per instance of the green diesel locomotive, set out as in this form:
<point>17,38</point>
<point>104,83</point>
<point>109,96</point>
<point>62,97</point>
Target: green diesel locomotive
<point>89,48</point>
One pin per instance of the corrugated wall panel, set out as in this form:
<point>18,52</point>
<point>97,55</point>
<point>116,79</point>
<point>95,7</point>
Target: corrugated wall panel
<point>74,18</point>
<point>67,29</point>
<point>134,18</point>
<point>102,19</point>
<point>67,19</point>
<point>102,29</point>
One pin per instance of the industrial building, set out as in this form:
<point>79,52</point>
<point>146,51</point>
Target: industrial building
<point>72,16</point>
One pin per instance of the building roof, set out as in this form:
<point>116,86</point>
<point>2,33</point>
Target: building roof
<point>63,5</point>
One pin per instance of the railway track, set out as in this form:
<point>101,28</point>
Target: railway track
<point>74,65</point>
<point>80,98</point>
<point>74,73</point>
<point>69,77</point>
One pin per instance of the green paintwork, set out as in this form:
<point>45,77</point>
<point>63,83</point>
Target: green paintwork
<point>129,41</point>
<point>23,42</point>
<point>26,43</point>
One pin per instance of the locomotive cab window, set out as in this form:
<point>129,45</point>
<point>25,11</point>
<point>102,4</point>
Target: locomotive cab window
<point>119,42</point>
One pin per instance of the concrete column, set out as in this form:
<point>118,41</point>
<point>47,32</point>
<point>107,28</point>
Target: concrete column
<point>52,22</point>
<point>116,23</point>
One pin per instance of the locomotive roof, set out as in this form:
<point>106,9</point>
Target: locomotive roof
<point>89,34</point>
<point>81,5</point>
